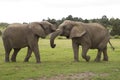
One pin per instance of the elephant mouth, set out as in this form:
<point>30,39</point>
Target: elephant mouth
<point>67,36</point>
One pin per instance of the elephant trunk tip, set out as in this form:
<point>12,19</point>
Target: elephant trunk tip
<point>53,46</point>
<point>52,38</point>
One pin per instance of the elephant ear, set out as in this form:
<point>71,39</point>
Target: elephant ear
<point>77,31</point>
<point>38,30</point>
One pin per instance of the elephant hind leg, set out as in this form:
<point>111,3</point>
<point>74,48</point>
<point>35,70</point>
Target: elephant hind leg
<point>84,53</point>
<point>7,54</point>
<point>98,57</point>
<point>7,48</point>
<point>13,58</point>
<point>105,56</point>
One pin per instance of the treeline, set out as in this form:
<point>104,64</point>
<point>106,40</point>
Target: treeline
<point>113,24</point>
<point>3,25</point>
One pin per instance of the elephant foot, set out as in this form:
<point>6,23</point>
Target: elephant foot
<point>38,62</point>
<point>76,60</point>
<point>7,61</point>
<point>97,60</point>
<point>13,60</point>
<point>105,59</point>
<point>26,61</point>
<point>87,58</point>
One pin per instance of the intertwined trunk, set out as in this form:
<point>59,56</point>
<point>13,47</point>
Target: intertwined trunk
<point>53,36</point>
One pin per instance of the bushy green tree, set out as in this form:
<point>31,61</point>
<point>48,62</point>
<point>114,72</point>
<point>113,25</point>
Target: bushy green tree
<point>116,26</point>
<point>3,25</point>
<point>112,24</point>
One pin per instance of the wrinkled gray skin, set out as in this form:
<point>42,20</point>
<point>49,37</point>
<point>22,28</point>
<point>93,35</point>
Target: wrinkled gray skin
<point>88,35</point>
<point>18,36</point>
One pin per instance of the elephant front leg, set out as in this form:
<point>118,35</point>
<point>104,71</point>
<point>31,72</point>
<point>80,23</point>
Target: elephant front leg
<point>76,51</point>
<point>29,52</point>
<point>35,49</point>
<point>84,53</point>
<point>37,55</point>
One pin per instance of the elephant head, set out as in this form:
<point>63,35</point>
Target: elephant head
<point>69,29</point>
<point>41,29</point>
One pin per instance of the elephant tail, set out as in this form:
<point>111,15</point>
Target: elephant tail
<point>111,45</point>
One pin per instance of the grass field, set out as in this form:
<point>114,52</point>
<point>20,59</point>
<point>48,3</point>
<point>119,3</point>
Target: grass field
<point>58,62</point>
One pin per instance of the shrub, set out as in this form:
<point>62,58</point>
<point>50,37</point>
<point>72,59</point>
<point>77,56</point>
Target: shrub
<point>0,32</point>
<point>117,37</point>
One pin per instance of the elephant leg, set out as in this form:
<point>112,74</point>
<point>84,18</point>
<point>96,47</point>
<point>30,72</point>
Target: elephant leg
<point>97,59</point>
<point>29,52</point>
<point>13,58</point>
<point>37,55</point>
<point>105,56</point>
<point>7,54</point>
<point>35,49</point>
<point>76,51</point>
<point>84,53</point>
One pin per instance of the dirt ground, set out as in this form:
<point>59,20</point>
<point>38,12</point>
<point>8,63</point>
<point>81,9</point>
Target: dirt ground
<point>78,76</point>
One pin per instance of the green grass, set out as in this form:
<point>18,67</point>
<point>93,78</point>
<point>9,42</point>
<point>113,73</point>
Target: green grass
<point>60,61</point>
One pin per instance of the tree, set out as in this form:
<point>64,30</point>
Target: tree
<point>112,24</point>
<point>3,25</point>
<point>86,21</point>
<point>104,21</point>
<point>116,26</point>
<point>69,17</point>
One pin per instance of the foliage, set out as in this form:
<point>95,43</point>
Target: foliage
<point>0,32</point>
<point>3,25</point>
<point>116,28</point>
<point>116,37</point>
<point>59,61</point>
<point>112,24</point>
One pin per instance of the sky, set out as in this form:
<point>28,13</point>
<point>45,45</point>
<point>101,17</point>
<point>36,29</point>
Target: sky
<point>36,10</point>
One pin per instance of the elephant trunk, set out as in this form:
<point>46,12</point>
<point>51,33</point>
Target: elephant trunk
<point>53,36</point>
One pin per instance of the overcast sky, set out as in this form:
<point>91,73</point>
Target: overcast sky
<point>35,10</point>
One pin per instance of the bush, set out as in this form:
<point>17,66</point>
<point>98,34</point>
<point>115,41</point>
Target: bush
<point>116,37</point>
<point>0,32</point>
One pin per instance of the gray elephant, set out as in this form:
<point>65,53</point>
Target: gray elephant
<point>17,36</point>
<point>88,35</point>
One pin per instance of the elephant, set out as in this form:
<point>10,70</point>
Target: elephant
<point>17,36</point>
<point>88,35</point>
